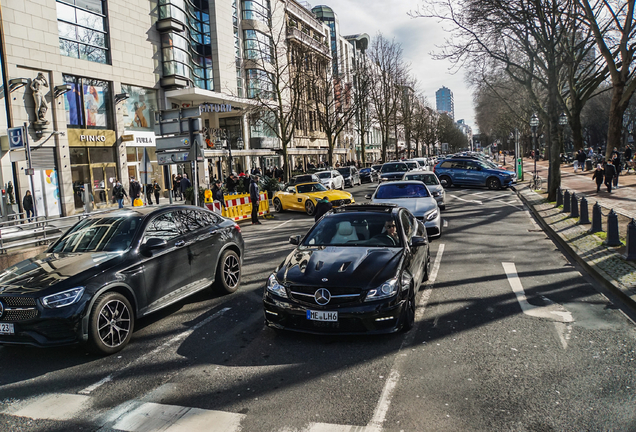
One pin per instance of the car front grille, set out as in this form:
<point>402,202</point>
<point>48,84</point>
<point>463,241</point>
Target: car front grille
<point>338,297</point>
<point>18,309</point>
<point>18,301</point>
<point>340,202</point>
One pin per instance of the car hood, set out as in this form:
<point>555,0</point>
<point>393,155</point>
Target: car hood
<point>418,206</point>
<point>332,195</point>
<point>47,269</point>
<point>350,268</point>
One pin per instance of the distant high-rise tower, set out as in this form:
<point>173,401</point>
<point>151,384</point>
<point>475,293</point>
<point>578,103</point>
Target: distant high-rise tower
<point>445,101</point>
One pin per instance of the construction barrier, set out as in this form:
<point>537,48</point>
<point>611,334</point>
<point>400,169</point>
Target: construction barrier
<point>239,207</point>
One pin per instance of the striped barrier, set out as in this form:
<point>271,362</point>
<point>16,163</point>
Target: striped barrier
<point>239,207</point>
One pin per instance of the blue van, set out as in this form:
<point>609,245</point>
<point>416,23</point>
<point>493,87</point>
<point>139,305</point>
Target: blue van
<point>472,172</point>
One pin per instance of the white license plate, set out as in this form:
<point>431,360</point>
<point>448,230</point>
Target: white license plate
<point>322,316</point>
<point>6,329</point>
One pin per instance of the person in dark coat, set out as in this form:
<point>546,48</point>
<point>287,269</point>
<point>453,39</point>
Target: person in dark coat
<point>230,183</point>
<point>322,206</point>
<point>27,205</point>
<point>598,176</point>
<point>217,192</point>
<point>616,161</point>
<point>610,172</point>
<point>255,197</point>
<point>134,191</point>
<point>119,193</point>
<point>246,183</point>
<point>156,189</point>
<point>184,184</point>
<point>148,189</point>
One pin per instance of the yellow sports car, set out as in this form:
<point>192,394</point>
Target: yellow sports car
<point>303,197</point>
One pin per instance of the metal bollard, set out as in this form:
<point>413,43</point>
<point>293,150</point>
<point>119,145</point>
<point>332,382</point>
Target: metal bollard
<point>596,219</point>
<point>566,202</point>
<point>613,238</point>
<point>559,197</point>
<point>574,212</point>
<point>585,218</point>
<point>630,255</point>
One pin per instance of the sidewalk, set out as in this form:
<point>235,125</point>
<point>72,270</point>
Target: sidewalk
<point>605,264</point>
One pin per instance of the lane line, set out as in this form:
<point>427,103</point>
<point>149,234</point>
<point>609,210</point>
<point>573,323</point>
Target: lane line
<point>552,312</point>
<point>462,199</point>
<point>381,409</point>
<point>445,223</point>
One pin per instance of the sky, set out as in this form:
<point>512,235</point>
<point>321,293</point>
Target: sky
<point>419,37</point>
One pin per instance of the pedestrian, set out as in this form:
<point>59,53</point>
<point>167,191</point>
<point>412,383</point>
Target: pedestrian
<point>246,183</point>
<point>27,204</point>
<point>610,172</point>
<point>148,189</point>
<point>134,190</point>
<point>598,176</point>
<point>322,206</point>
<point>119,193</point>
<point>184,185</point>
<point>255,197</point>
<point>616,161</point>
<point>177,187</point>
<point>217,192</point>
<point>230,183</point>
<point>156,189</point>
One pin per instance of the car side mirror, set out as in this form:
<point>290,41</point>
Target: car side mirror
<point>418,241</point>
<point>154,243</point>
<point>295,240</point>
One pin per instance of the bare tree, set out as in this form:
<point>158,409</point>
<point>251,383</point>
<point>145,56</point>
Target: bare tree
<point>363,79</point>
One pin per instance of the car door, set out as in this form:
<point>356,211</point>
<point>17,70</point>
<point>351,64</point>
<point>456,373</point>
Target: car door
<point>459,172</point>
<point>339,181</point>
<point>415,261</point>
<point>473,173</point>
<point>287,197</point>
<point>355,174</point>
<point>203,242</point>
<point>168,268</point>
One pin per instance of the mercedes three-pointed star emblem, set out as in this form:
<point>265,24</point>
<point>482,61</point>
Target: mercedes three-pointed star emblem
<point>322,296</point>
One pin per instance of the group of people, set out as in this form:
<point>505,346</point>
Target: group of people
<point>609,171</point>
<point>180,183</point>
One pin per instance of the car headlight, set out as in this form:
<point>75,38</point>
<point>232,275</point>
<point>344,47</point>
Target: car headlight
<point>65,298</point>
<point>436,194</point>
<point>274,287</point>
<point>405,280</point>
<point>387,289</point>
<point>431,215</point>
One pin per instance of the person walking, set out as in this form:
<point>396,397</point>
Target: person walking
<point>217,192</point>
<point>616,161</point>
<point>27,205</point>
<point>255,197</point>
<point>119,193</point>
<point>148,190</point>
<point>322,206</point>
<point>156,189</point>
<point>134,191</point>
<point>184,185</point>
<point>610,172</point>
<point>598,176</point>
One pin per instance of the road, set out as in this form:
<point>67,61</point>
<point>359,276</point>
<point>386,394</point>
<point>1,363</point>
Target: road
<point>509,336</point>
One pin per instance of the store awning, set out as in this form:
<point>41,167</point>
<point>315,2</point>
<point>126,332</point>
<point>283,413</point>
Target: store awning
<point>197,96</point>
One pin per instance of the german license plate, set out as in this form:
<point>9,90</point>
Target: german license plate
<point>6,329</point>
<point>322,316</point>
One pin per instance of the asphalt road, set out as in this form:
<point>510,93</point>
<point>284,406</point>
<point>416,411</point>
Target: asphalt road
<point>509,336</point>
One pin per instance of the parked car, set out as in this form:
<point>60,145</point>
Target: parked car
<point>351,175</point>
<point>460,171</point>
<point>415,196</point>
<point>432,183</point>
<point>358,270</point>
<point>331,179</point>
<point>303,197</point>
<point>393,171</point>
<point>423,162</point>
<point>111,269</point>
<point>413,165</point>
<point>368,175</point>
<point>303,178</point>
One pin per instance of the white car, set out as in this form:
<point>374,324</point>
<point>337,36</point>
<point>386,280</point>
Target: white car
<point>331,179</point>
<point>432,183</point>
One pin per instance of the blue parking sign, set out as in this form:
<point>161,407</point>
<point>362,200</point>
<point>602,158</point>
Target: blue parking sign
<point>16,137</point>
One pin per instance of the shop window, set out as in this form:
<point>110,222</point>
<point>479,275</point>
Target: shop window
<point>83,29</point>
<point>79,155</point>
<point>139,109</point>
<point>88,104</point>
<point>102,154</point>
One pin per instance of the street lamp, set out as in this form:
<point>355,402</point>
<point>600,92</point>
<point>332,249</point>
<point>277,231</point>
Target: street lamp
<point>224,141</point>
<point>534,122</point>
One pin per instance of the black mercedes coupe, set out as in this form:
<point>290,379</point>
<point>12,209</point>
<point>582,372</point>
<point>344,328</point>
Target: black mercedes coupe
<point>112,268</point>
<point>358,270</point>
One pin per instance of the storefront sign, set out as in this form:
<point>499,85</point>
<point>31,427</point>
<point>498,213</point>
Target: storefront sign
<point>126,138</point>
<point>90,137</point>
<point>140,139</point>
<point>215,108</point>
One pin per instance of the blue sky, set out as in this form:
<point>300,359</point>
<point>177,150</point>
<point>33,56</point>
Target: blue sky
<point>418,37</point>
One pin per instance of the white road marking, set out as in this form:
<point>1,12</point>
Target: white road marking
<point>462,199</point>
<point>500,196</point>
<point>552,312</point>
<point>326,427</point>
<point>53,406</point>
<point>445,223</point>
<point>91,388</point>
<point>379,414</point>
<point>283,224</point>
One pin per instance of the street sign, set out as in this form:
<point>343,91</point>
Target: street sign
<point>168,158</point>
<point>125,138</point>
<point>16,137</point>
<point>178,127</point>
<point>178,142</point>
<point>29,171</point>
<point>176,114</point>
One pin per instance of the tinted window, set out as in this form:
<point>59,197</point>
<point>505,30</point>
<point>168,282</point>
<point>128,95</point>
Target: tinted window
<point>99,235</point>
<point>163,226</point>
<point>346,172</point>
<point>313,187</point>
<point>365,170</point>
<point>413,165</point>
<point>189,219</point>
<point>408,224</point>
<point>401,190</point>
<point>428,179</point>
<point>352,229</point>
<point>446,164</point>
<point>394,167</point>
<point>324,175</point>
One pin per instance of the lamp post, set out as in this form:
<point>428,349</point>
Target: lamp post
<point>225,141</point>
<point>534,122</point>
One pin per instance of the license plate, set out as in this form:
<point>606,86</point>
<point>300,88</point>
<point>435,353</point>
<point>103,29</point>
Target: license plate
<point>6,329</point>
<point>322,316</point>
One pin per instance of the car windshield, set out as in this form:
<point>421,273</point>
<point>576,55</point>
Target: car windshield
<point>377,167</point>
<point>302,179</point>
<point>413,165</point>
<point>107,234</point>
<point>324,175</point>
<point>401,190</point>
<point>365,170</point>
<point>394,167</point>
<point>312,187</point>
<point>355,229</point>
<point>346,172</point>
<point>428,179</point>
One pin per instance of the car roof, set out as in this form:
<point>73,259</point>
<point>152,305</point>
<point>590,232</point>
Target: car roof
<point>393,183</point>
<point>368,207</point>
<point>141,211</point>
<point>420,172</point>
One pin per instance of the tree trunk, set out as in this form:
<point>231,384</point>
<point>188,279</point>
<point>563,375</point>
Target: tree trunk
<point>554,170</point>
<point>363,148</point>
<point>285,166</point>
<point>577,130</point>
<point>330,152</point>
<point>615,125</point>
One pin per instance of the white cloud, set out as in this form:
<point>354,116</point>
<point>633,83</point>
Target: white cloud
<point>419,38</point>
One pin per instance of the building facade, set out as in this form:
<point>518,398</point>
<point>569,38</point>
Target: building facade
<point>445,102</point>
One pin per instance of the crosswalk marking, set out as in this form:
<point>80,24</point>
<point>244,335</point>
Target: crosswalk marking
<point>54,406</point>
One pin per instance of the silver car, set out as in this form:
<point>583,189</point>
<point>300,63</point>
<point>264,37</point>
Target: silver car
<point>415,196</point>
<point>331,179</point>
<point>432,182</point>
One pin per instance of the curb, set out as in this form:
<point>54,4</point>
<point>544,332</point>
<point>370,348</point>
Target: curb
<point>599,275</point>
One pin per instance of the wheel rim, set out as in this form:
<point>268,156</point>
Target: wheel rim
<point>114,323</point>
<point>493,184</point>
<point>231,271</point>
<point>310,207</point>
<point>277,205</point>
<point>445,181</point>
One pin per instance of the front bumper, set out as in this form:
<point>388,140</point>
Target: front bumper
<point>366,318</point>
<point>433,227</point>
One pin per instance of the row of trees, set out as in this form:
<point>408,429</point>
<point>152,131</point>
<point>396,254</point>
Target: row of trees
<point>546,57</point>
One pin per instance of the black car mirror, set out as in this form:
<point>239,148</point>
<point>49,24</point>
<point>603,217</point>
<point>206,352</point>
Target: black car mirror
<point>418,241</point>
<point>368,196</point>
<point>295,240</point>
<point>155,243</point>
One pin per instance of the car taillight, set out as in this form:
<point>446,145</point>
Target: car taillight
<point>237,227</point>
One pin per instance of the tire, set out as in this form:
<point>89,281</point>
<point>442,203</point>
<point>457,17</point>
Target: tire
<point>409,313</point>
<point>228,272</point>
<point>278,206</point>
<point>310,207</point>
<point>446,181</point>
<point>493,183</point>
<point>110,324</point>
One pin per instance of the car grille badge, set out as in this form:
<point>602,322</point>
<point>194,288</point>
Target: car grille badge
<point>324,279</point>
<point>322,296</point>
